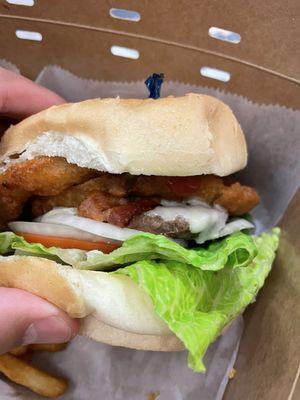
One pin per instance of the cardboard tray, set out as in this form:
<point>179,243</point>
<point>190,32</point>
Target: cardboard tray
<point>173,37</point>
<point>170,36</point>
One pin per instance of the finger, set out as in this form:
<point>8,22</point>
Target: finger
<point>25,319</point>
<point>20,97</point>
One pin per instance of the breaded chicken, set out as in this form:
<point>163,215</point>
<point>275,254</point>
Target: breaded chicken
<point>52,181</point>
<point>115,185</point>
<point>237,199</point>
<point>43,176</point>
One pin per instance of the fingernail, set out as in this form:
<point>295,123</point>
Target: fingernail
<point>48,330</point>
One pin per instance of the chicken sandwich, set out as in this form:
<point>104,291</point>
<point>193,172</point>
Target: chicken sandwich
<point>126,214</point>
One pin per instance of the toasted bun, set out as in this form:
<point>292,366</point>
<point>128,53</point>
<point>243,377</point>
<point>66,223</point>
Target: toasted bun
<point>114,309</point>
<point>176,136</point>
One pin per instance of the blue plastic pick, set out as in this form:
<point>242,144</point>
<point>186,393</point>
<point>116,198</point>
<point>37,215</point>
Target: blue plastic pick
<point>153,83</point>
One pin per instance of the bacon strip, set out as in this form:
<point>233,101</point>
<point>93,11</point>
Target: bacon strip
<point>116,211</point>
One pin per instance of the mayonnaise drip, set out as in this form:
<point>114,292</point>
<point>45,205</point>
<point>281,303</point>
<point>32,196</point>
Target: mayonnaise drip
<point>202,218</point>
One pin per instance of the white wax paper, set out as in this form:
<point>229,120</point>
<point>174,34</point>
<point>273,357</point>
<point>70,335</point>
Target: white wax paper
<point>98,371</point>
<point>102,372</point>
<point>8,65</point>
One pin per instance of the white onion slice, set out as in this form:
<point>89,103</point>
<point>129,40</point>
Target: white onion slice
<point>66,218</point>
<point>88,225</point>
<point>234,226</point>
<point>57,230</point>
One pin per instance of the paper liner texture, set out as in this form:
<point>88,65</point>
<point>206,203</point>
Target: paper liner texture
<point>99,371</point>
<point>8,65</point>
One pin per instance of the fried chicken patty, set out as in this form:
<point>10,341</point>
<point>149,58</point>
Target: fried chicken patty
<point>43,176</point>
<point>52,181</point>
<point>237,199</point>
<point>115,185</point>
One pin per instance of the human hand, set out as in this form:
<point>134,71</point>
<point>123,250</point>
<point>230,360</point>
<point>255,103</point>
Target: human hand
<point>25,318</point>
<point>20,97</point>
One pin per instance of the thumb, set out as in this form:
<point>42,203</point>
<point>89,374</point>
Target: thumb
<point>25,318</point>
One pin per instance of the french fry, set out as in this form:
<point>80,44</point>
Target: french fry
<point>19,351</point>
<point>51,347</point>
<point>19,371</point>
<point>153,395</point>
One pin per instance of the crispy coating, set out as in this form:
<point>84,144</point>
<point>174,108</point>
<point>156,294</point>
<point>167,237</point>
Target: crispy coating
<point>233,196</point>
<point>115,185</point>
<point>175,188</point>
<point>237,199</point>
<point>43,176</point>
<point>52,181</point>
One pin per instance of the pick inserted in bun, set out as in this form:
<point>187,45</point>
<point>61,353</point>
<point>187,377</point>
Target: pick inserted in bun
<point>175,136</point>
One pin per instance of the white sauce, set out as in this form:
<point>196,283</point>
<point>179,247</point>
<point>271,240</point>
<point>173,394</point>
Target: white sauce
<point>205,222</point>
<point>201,217</point>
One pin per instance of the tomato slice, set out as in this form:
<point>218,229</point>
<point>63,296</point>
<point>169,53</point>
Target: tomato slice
<point>66,243</point>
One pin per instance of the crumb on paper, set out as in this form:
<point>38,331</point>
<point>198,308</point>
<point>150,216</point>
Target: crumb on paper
<point>153,395</point>
<point>232,373</point>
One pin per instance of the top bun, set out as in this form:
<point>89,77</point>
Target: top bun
<point>174,136</point>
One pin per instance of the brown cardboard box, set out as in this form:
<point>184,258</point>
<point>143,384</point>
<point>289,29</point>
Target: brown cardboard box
<point>172,36</point>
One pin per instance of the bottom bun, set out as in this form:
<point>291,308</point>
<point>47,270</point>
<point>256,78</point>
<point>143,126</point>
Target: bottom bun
<point>113,308</point>
<point>101,332</point>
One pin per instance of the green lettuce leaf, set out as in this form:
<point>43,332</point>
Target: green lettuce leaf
<point>198,304</point>
<point>196,291</point>
<point>236,250</point>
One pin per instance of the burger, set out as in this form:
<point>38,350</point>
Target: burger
<point>126,214</point>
